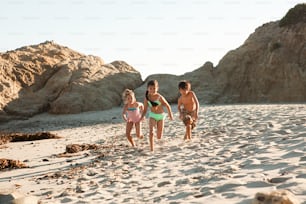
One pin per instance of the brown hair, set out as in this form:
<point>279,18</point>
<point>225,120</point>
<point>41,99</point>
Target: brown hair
<point>151,83</point>
<point>185,85</point>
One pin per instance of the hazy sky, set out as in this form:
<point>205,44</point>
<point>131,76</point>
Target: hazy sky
<point>153,36</point>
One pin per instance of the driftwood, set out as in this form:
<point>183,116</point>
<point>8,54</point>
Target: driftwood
<point>11,164</point>
<point>74,148</point>
<point>20,137</point>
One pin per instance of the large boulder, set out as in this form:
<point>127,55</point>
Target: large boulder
<point>50,77</point>
<point>29,67</point>
<point>94,87</point>
<point>202,82</point>
<point>167,87</point>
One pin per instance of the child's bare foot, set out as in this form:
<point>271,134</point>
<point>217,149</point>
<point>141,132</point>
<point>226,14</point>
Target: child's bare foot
<point>140,136</point>
<point>186,139</point>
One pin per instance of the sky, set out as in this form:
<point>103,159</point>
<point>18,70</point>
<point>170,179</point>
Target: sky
<point>153,36</point>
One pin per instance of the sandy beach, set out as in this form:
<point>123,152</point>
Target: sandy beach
<point>236,151</point>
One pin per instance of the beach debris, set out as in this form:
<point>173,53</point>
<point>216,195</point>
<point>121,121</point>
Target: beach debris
<point>161,184</point>
<point>275,197</point>
<point>279,179</point>
<point>21,137</point>
<point>11,164</point>
<point>71,149</point>
<point>74,148</point>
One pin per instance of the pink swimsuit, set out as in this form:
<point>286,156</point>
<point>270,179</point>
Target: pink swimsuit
<point>133,115</point>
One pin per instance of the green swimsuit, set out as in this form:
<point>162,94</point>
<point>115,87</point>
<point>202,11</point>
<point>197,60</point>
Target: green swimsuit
<point>156,116</point>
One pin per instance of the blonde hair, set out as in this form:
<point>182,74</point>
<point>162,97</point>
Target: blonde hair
<point>126,93</point>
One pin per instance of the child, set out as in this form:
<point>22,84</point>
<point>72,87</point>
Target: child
<point>132,112</point>
<point>155,101</point>
<point>188,107</point>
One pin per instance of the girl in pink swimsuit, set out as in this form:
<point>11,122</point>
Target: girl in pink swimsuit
<point>131,113</point>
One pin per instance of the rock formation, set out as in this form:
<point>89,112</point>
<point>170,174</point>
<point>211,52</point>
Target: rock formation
<point>270,67</point>
<point>167,87</point>
<point>50,77</point>
<point>202,80</point>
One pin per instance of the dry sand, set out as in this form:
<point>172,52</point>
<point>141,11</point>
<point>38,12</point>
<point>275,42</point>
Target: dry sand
<point>236,151</point>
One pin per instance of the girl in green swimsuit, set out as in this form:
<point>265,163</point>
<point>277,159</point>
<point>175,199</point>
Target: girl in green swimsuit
<point>155,102</point>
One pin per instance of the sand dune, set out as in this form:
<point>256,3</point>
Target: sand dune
<point>236,151</point>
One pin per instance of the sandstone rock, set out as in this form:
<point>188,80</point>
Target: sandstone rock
<point>269,67</point>
<point>50,77</point>
<point>167,87</point>
<point>202,82</point>
<point>294,16</point>
<point>95,87</point>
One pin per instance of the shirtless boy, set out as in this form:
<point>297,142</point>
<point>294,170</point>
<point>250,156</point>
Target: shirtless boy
<point>188,107</point>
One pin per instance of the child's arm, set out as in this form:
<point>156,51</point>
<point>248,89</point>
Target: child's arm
<point>165,103</point>
<point>197,105</point>
<point>145,108</point>
<point>124,112</point>
<point>140,105</point>
<point>141,108</point>
<point>179,103</point>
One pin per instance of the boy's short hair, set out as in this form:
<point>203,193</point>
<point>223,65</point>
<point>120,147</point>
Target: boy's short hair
<point>185,85</point>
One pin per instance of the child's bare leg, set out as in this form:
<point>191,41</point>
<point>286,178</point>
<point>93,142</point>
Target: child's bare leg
<point>188,123</point>
<point>185,136</point>
<point>129,127</point>
<point>151,128</point>
<point>138,130</point>
<point>191,126</point>
<point>160,128</point>
<point>188,132</point>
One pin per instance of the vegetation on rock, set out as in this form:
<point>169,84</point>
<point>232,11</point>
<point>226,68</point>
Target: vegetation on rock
<point>295,15</point>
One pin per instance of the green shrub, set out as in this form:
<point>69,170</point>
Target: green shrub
<point>294,16</point>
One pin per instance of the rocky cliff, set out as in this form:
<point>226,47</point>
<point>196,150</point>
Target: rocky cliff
<point>270,67</point>
<point>53,78</point>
